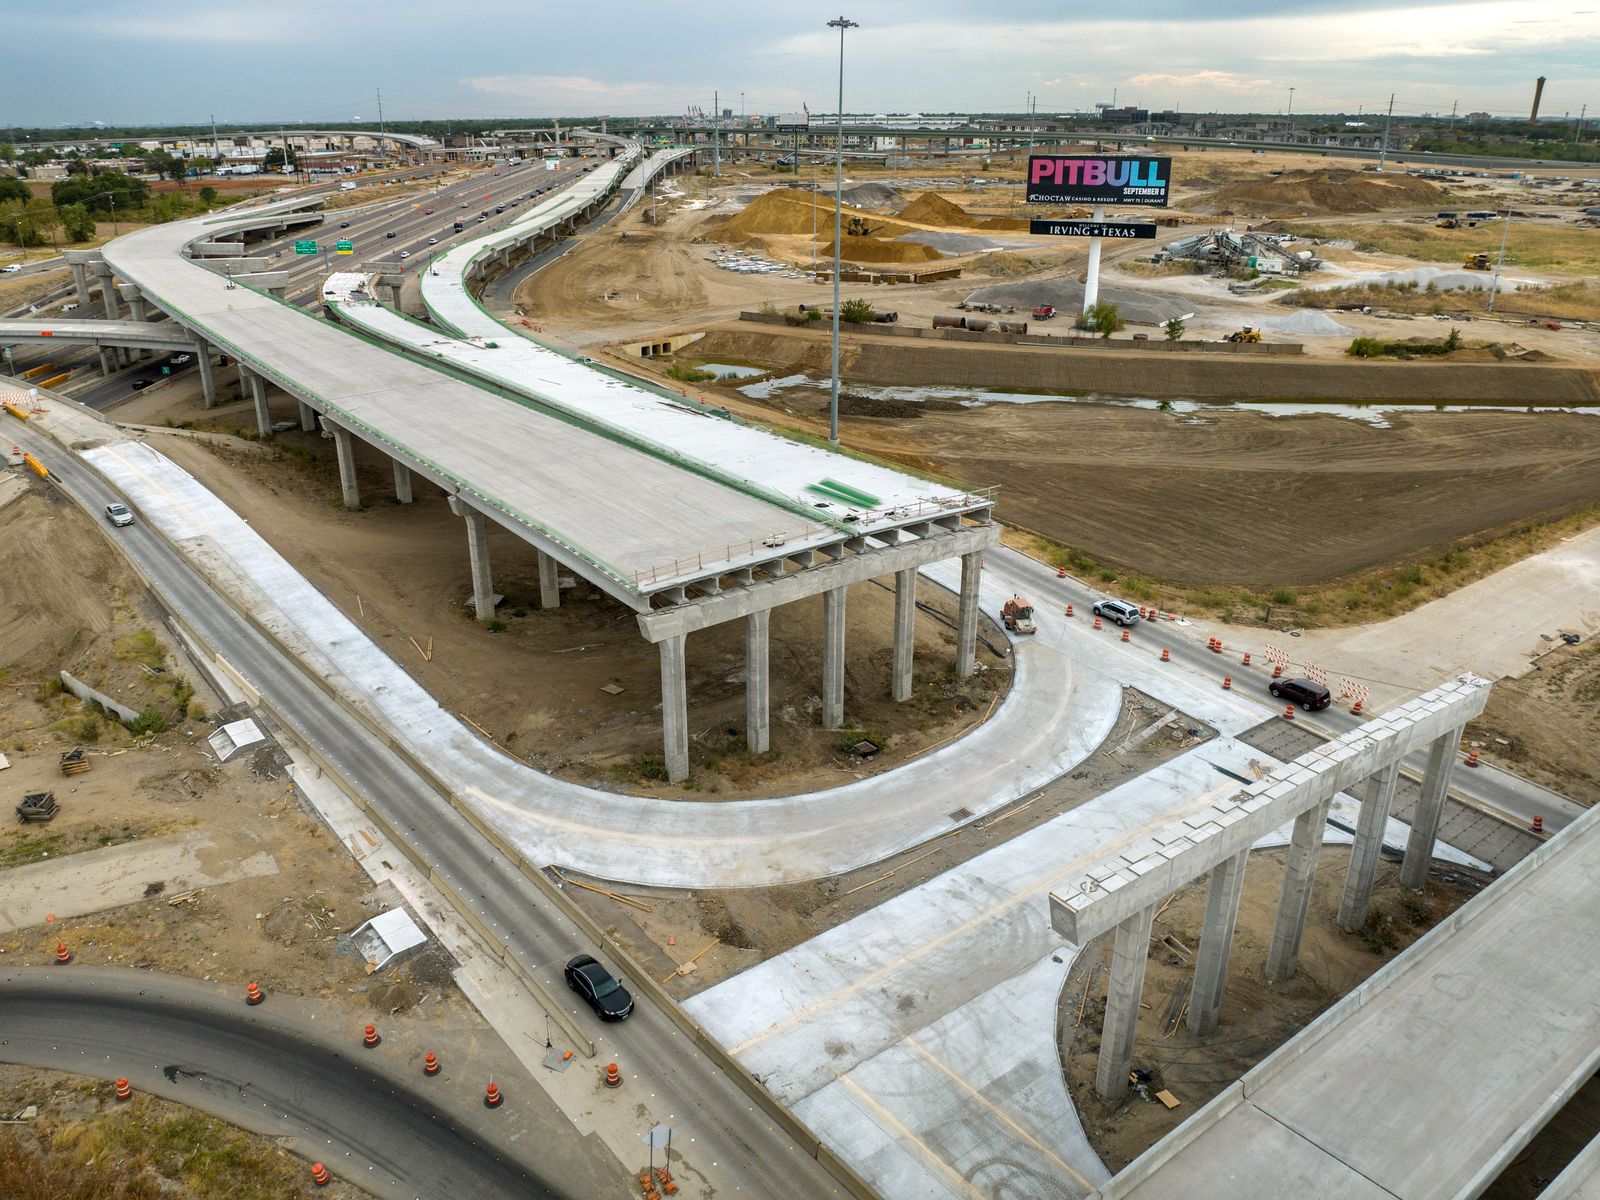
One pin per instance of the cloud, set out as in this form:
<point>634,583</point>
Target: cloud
<point>1224,81</point>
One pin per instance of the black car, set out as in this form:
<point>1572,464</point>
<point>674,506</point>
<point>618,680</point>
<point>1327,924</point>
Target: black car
<point>1307,693</point>
<point>390,234</point>
<point>140,384</point>
<point>608,998</point>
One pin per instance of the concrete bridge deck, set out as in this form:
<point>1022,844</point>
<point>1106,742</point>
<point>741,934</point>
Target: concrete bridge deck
<point>1428,1079</point>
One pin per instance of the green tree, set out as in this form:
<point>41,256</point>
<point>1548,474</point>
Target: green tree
<point>14,189</point>
<point>1453,342</point>
<point>201,165</point>
<point>77,223</point>
<point>208,195</point>
<point>856,312</point>
<point>97,194</point>
<point>1174,329</point>
<point>1103,318</point>
<point>275,158</point>
<point>77,166</point>
<point>8,152</point>
<point>29,224</point>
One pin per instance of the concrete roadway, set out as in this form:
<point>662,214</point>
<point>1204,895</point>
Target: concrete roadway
<point>735,1145</point>
<point>274,1070</point>
<point>1485,787</point>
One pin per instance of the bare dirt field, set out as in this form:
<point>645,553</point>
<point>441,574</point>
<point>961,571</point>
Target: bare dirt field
<point>1223,498</point>
<point>85,611</point>
<point>538,686</point>
<point>1546,725</point>
<point>1257,1017</point>
<point>724,931</point>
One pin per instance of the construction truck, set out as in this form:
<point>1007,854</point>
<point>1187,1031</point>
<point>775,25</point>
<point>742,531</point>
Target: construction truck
<point>1248,334</point>
<point>1476,262</point>
<point>1044,312</point>
<point>1017,616</point>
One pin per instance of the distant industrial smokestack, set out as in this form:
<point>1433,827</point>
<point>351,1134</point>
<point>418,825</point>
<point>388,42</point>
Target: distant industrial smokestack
<point>1538,90</point>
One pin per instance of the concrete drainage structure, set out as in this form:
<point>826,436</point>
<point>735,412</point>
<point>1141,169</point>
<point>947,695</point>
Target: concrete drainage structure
<point>1122,890</point>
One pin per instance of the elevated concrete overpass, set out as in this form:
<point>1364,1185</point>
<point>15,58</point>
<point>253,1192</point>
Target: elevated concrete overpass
<point>679,539</point>
<point>1433,1075</point>
<point>895,523</point>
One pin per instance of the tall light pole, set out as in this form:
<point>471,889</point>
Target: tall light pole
<point>1291,113</point>
<point>841,24</point>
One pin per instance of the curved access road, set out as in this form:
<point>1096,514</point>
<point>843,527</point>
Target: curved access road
<point>274,1070</point>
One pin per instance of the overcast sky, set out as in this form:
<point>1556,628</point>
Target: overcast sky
<point>324,60</point>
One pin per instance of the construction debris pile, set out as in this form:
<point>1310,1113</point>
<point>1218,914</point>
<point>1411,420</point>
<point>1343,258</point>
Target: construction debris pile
<point>1229,250</point>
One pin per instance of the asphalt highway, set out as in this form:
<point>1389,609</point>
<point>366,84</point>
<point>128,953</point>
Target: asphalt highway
<point>707,1110</point>
<point>273,1072</point>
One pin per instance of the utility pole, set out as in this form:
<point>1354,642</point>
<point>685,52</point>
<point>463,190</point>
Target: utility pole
<point>1505,234</point>
<point>1291,106</point>
<point>1577,130</point>
<point>216,146</point>
<point>1383,154</point>
<point>384,133</point>
<point>716,133</point>
<point>841,24</point>
<point>1454,104</point>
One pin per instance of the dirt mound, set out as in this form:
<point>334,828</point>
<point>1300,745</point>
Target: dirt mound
<point>790,211</point>
<point>1321,192</point>
<point>873,250</point>
<point>930,208</point>
<point>871,195</point>
<point>1010,224</point>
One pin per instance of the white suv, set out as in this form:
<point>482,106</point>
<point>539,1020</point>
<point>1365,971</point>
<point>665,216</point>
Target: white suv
<point>1119,611</point>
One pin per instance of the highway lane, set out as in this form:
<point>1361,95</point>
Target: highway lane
<point>266,1069</point>
<point>1490,788</point>
<point>742,1149</point>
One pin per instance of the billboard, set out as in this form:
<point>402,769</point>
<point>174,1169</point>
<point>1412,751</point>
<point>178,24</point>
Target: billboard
<point>1110,229</point>
<point>1074,179</point>
<point>794,122</point>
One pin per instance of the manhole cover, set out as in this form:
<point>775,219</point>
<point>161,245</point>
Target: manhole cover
<point>961,814</point>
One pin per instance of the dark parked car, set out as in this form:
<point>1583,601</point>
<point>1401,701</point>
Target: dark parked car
<point>608,998</point>
<point>1308,694</point>
<point>390,234</point>
<point>140,384</point>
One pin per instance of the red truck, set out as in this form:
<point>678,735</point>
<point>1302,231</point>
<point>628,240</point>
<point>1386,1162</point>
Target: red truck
<point>1044,312</point>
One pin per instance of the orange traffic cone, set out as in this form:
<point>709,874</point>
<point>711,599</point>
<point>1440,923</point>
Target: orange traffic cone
<point>320,1175</point>
<point>253,993</point>
<point>124,1090</point>
<point>369,1037</point>
<point>63,955</point>
<point>613,1076</point>
<point>1166,655</point>
<point>492,1096</point>
<point>430,1063</point>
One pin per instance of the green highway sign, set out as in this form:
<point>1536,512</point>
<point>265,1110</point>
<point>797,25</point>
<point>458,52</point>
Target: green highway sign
<point>344,247</point>
<point>305,247</point>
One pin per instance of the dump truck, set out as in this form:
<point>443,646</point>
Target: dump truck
<point>1476,262</point>
<point>1017,616</point>
<point>1044,312</point>
<point>1248,334</point>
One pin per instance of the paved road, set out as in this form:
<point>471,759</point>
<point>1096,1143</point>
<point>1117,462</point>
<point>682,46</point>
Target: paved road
<point>1486,786</point>
<point>268,1069</point>
<point>710,1112</point>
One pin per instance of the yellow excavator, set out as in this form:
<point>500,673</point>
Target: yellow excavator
<point>1476,262</point>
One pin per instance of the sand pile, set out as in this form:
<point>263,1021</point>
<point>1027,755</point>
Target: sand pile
<point>788,210</point>
<point>1320,192</point>
<point>872,250</point>
<point>930,208</point>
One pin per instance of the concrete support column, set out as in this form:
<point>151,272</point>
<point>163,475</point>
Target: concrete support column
<point>108,294</point>
<point>1377,797</point>
<point>208,382</point>
<point>1216,942</point>
<point>905,628</point>
<point>1128,957</point>
<point>308,417</point>
<point>674,709</point>
<point>1430,807</point>
<point>257,387</point>
<point>757,717</point>
<point>478,558</point>
<point>105,361</point>
<point>1305,847</point>
<point>549,581</point>
<point>136,306</point>
<point>833,658</point>
<point>80,282</point>
<point>967,616</point>
<point>344,446</point>
<point>402,482</point>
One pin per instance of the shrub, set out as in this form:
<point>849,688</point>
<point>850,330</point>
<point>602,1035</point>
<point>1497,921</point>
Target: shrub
<point>151,720</point>
<point>684,373</point>
<point>1282,596</point>
<point>856,312</point>
<point>494,625</point>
